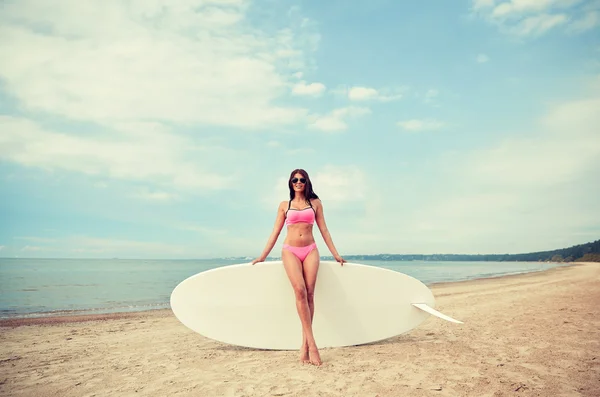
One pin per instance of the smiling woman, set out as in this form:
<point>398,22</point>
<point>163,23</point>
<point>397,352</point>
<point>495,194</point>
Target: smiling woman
<point>300,254</point>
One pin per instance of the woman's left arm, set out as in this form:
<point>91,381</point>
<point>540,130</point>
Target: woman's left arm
<point>320,219</point>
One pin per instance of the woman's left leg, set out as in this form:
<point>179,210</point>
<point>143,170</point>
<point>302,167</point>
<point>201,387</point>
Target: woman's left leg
<point>310,268</point>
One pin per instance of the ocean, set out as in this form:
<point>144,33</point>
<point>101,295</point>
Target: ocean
<point>49,287</point>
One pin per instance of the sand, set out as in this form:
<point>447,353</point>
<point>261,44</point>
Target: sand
<point>527,335</point>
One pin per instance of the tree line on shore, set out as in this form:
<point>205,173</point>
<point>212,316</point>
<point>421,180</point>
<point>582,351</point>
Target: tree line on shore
<point>589,252</point>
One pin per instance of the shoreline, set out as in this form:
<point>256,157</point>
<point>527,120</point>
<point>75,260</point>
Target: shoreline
<point>509,276</point>
<point>17,321</point>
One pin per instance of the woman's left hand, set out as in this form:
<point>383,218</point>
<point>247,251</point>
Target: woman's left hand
<point>340,259</point>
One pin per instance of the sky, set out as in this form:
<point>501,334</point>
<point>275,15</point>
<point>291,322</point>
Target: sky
<point>160,129</point>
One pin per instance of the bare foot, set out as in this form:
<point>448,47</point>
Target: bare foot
<point>314,356</point>
<point>304,358</point>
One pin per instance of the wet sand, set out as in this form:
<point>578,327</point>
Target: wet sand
<point>536,334</point>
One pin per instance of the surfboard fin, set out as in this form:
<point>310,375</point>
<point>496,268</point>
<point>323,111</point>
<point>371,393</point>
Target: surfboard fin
<point>430,310</point>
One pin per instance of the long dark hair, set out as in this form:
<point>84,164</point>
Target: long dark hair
<point>308,190</point>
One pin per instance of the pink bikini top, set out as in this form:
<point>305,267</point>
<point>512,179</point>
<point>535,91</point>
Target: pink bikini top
<point>300,216</point>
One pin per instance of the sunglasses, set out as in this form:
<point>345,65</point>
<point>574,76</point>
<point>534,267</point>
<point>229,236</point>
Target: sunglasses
<point>302,180</point>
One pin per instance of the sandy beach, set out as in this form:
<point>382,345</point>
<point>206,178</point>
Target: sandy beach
<point>530,335</point>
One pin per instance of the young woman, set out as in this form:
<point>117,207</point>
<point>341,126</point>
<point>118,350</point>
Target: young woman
<point>300,255</point>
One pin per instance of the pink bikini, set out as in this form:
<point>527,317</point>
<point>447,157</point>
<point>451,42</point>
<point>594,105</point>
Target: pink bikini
<point>306,215</point>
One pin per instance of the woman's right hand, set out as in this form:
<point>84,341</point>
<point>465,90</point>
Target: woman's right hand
<point>259,259</point>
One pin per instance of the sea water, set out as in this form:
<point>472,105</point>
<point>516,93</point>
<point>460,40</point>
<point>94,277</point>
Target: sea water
<point>46,287</point>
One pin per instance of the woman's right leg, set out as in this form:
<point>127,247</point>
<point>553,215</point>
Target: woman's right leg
<point>310,269</point>
<point>293,268</point>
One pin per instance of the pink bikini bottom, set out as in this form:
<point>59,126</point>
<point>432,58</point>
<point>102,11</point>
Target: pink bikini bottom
<point>300,252</point>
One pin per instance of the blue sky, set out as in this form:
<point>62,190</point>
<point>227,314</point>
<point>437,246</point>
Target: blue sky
<point>140,129</point>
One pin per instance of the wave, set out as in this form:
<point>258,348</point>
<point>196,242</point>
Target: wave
<point>12,313</point>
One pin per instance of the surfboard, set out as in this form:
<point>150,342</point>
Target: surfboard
<point>254,305</point>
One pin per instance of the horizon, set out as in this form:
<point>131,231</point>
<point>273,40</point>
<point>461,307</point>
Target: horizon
<point>150,131</point>
<point>278,257</point>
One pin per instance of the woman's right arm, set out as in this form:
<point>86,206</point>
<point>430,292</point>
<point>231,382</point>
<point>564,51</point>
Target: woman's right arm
<point>279,221</point>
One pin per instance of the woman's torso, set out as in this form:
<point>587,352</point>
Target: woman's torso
<point>299,232</point>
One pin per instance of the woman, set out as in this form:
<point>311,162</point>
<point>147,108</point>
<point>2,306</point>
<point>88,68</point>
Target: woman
<point>300,255</point>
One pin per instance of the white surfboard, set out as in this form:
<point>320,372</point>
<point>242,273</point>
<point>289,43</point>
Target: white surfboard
<point>254,305</point>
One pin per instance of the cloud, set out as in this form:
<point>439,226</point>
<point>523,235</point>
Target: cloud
<point>301,151</point>
<point>371,94</point>
<point>340,183</point>
<point>36,239</point>
<point>531,18</point>
<point>31,248</point>
<point>589,21</point>
<point>196,61</point>
<point>482,58</point>
<point>108,246</point>
<point>198,229</point>
<point>511,195</point>
<point>336,120</point>
<point>143,152</point>
<point>557,157</point>
<point>92,246</point>
<point>294,151</point>
<point>312,89</point>
<point>538,25</point>
<point>416,125</point>
<point>154,196</point>
<point>362,93</point>
<point>506,191</point>
<point>430,94</point>
<point>507,8</point>
<point>334,184</point>
<point>480,4</point>
<point>566,145</point>
<point>430,97</point>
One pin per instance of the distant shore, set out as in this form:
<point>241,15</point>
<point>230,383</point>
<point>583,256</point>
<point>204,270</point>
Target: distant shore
<point>533,334</point>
